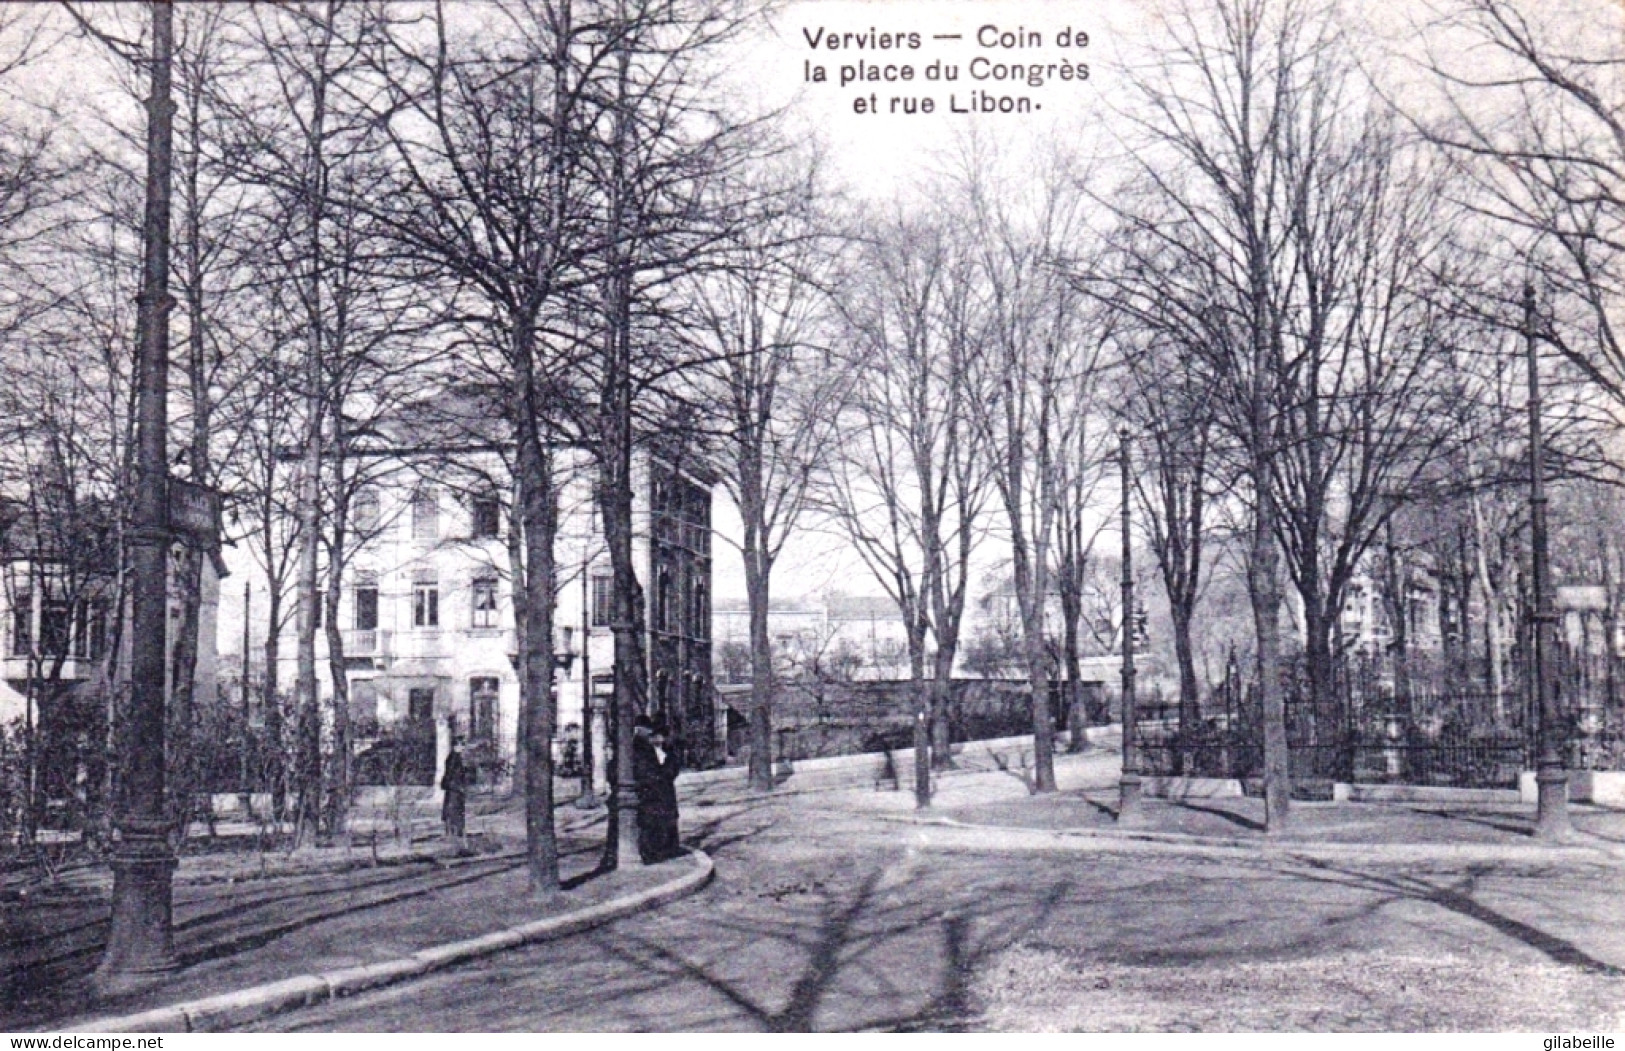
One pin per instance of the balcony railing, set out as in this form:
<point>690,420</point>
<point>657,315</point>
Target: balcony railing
<point>368,642</point>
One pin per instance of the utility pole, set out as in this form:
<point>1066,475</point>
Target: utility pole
<point>1551,779</point>
<point>139,939</point>
<point>1128,785</point>
<point>242,759</point>
<point>922,760</point>
<point>588,799</point>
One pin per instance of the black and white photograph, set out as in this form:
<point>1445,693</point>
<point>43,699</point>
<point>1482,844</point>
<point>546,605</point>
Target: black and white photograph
<point>812,516</point>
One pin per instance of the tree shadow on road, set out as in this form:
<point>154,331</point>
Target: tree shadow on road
<point>1022,772</point>
<point>1251,824</point>
<point>1524,828</point>
<point>714,834</point>
<point>1460,900</point>
<point>851,953</point>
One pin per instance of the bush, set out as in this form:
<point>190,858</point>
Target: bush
<point>13,779</point>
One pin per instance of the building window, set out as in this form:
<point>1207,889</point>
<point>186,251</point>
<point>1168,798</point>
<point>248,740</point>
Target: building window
<point>22,611</point>
<point>700,619</point>
<point>366,603</point>
<point>363,708</point>
<point>425,603</point>
<point>486,515</point>
<point>482,709</point>
<point>55,619</point>
<point>665,613</point>
<point>484,602</point>
<point>426,514</point>
<point>55,613</point>
<point>364,511</point>
<point>321,601</point>
<point>90,629</point>
<point>603,600</point>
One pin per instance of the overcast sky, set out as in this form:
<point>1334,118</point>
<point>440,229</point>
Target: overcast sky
<point>878,156</point>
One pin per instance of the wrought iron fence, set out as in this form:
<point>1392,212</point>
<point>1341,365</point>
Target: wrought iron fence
<point>1424,723</point>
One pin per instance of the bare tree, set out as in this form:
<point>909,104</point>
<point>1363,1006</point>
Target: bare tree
<point>909,484</point>
<point>761,313</point>
<point>1041,370</point>
<point>1218,196</point>
<point>1536,123</point>
<point>1175,422</point>
<point>1300,266</point>
<point>483,135</point>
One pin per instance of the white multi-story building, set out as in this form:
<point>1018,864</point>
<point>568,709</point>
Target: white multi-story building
<point>426,614</point>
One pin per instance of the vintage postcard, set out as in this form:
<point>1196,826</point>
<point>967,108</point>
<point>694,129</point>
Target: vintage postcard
<point>818,516</point>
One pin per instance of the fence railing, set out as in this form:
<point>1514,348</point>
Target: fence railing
<point>1424,723</point>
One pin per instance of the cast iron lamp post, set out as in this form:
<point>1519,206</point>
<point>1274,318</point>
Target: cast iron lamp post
<point>1128,806</point>
<point>1551,778</point>
<point>139,937</point>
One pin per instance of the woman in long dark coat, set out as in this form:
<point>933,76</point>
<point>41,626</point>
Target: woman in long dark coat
<point>454,782</point>
<point>654,772</point>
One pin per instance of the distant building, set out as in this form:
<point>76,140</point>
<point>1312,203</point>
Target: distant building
<point>852,636</point>
<point>58,606</point>
<point>1367,624</point>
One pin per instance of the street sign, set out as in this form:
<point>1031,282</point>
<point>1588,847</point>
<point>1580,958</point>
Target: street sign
<point>194,513</point>
<point>1586,598</point>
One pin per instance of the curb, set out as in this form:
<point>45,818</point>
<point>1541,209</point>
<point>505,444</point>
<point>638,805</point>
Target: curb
<point>853,772</point>
<point>1032,839</point>
<point>243,1006</point>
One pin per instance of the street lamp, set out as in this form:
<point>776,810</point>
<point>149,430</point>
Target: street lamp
<point>1551,779</point>
<point>139,938</point>
<point>1128,785</point>
<point>588,799</point>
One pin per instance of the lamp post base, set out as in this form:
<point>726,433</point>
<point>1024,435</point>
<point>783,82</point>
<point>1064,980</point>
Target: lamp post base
<point>1130,809</point>
<point>140,947</point>
<point>922,763</point>
<point>626,828</point>
<point>1552,804</point>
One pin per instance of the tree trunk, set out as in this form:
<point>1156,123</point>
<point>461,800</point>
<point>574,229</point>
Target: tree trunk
<point>338,802</point>
<point>308,763</point>
<point>1189,690</point>
<point>631,664</point>
<point>1043,717</point>
<point>942,673</point>
<point>541,527</point>
<point>539,515</point>
<point>922,704</point>
<point>757,584</point>
<point>1265,589</point>
<point>186,572</point>
<point>1029,596</point>
<point>1076,718</point>
<point>278,774</point>
<point>1324,709</point>
<point>308,743</point>
<point>521,619</point>
<point>1494,641</point>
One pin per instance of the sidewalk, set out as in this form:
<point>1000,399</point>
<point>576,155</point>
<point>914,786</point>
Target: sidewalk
<point>995,810</point>
<point>359,921</point>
